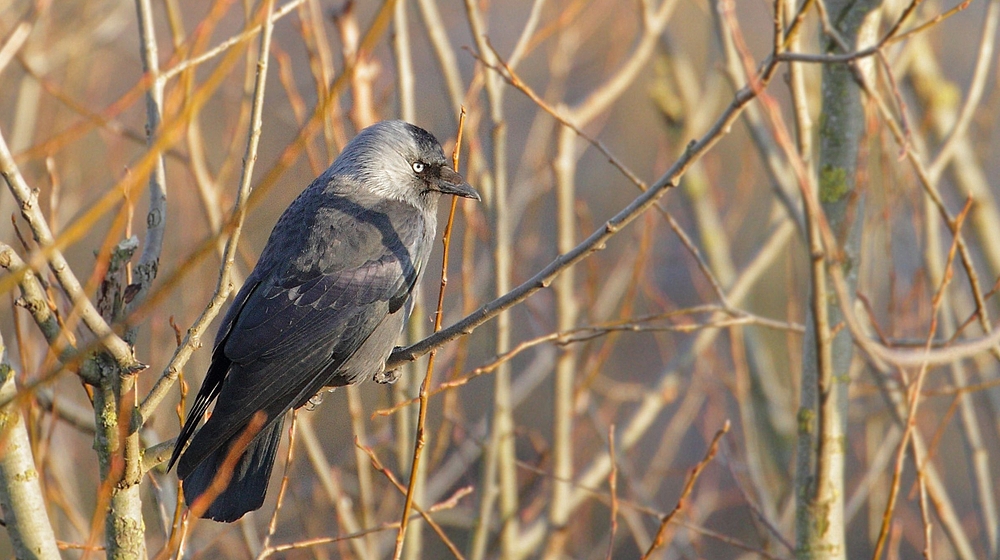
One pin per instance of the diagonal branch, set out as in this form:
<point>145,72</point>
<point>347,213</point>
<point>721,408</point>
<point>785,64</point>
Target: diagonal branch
<point>27,200</point>
<point>596,240</point>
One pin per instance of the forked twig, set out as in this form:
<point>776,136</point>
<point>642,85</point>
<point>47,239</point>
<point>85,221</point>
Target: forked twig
<point>448,503</point>
<point>377,464</point>
<point>915,396</point>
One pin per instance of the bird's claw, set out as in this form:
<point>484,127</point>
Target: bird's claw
<point>387,377</point>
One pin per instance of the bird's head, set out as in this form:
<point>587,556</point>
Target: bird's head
<point>395,159</point>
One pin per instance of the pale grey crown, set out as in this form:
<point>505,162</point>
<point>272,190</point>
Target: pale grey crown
<point>381,159</point>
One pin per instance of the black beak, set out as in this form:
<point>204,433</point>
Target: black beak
<point>450,182</point>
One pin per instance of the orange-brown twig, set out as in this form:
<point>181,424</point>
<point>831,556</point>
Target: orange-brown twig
<point>419,442</point>
<point>661,533</point>
<point>403,489</point>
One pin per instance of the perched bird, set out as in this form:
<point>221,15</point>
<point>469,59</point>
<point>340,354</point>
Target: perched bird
<point>322,308</point>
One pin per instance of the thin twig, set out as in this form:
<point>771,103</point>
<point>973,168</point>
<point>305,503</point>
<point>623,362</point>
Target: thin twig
<point>215,51</point>
<point>500,474</point>
<point>449,503</point>
<point>425,386</point>
<point>661,533</point>
<point>403,490</point>
<point>590,332</point>
<point>914,397</point>
<point>225,473</point>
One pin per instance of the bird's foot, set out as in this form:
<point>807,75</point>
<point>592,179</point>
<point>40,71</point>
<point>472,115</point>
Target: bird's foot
<point>314,401</point>
<point>387,377</point>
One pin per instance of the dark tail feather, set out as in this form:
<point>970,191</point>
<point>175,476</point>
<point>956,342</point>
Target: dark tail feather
<point>248,485</point>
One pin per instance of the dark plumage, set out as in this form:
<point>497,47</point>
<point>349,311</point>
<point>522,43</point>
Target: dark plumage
<point>323,307</point>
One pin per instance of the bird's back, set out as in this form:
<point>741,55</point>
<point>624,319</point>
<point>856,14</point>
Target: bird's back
<point>323,308</point>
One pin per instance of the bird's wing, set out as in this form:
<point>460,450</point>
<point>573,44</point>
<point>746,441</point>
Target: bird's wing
<point>326,280</point>
<point>216,374</point>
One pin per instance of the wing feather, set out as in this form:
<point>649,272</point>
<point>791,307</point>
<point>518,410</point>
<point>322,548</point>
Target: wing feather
<point>331,273</point>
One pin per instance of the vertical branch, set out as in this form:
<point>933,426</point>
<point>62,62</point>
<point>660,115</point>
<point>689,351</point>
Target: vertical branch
<point>366,492</point>
<point>321,66</point>
<point>797,85</point>
<point>819,468</point>
<point>939,272</point>
<point>927,79</point>
<point>827,356</point>
<point>913,398</point>
<point>21,498</point>
<point>115,404</point>
<point>365,69</point>
<point>770,422</point>
<point>117,421</point>
<point>443,51</point>
<point>501,443</point>
<point>404,62</point>
<point>613,489</point>
<point>289,456</point>
<point>566,312</point>
<point>566,305</point>
<point>224,285</point>
<point>156,218</point>
<point>209,187</point>
<point>326,474</point>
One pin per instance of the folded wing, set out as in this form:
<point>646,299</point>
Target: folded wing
<point>331,273</point>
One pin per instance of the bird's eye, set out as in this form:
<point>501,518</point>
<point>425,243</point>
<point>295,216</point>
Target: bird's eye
<point>418,167</point>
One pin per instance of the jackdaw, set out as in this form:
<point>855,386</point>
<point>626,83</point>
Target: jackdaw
<point>322,308</point>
